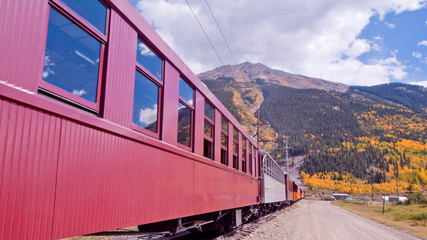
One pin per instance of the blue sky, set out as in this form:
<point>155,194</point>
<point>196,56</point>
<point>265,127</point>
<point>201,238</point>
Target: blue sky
<point>356,42</point>
<point>401,36</point>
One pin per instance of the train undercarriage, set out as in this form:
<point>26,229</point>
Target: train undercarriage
<point>223,221</point>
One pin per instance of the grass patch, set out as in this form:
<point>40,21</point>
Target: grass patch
<point>412,217</point>
<point>386,210</point>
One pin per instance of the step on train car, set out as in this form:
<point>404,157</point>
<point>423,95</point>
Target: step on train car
<point>103,126</point>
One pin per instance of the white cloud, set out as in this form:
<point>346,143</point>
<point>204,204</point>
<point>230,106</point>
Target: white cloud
<point>148,115</point>
<point>424,83</point>
<point>358,47</point>
<point>304,37</point>
<point>376,47</point>
<point>417,55</point>
<point>79,92</point>
<point>391,25</point>
<point>144,50</point>
<point>422,43</point>
<point>48,66</point>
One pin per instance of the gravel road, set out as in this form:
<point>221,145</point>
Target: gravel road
<point>318,220</point>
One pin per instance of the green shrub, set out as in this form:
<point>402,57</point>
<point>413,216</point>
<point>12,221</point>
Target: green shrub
<point>414,217</point>
<point>417,198</point>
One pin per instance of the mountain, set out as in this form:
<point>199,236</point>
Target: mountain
<point>249,72</point>
<point>410,96</point>
<point>349,135</point>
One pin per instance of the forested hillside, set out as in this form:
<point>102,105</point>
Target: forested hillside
<point>349,138</point>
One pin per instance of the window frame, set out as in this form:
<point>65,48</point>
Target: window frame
<point>192,109</point>
<point>84,25</point>
<point>143,71</point>
<point>236,153</point>
<point>244,154</point>
<point>207,138</point>
<point>142,68</point>
<point>159,107</point>
<point>225,148</point>
<point>250,159</point>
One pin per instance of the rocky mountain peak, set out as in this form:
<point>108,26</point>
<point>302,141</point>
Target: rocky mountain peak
<point>252,72</point>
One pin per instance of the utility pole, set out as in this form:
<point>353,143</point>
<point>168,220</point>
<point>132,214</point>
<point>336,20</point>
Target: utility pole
<point>287,155</point>
<point>372,183</point>
<point>397,178</point>
<point>258,126</point>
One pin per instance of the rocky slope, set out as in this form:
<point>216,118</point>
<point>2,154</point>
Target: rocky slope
<point>345,131</point>
<point>249,72</point>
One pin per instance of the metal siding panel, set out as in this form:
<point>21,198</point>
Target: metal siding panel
<point>120,76</point>
<point>239,152</point>
<point>230,145</point>
<point>214,189</point>
<point>23,39</point>
<point>170,105</point>
<point>29,143</point>
<point>199,121</point>
<point>103,179</point>
<point>217,136</point>
<point>248,161</point>
<point>245,195</point>
<point>275,191</point>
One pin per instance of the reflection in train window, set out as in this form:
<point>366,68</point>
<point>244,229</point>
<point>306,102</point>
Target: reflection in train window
<point>235,148</point>
<point>145,103</point>
<point>94,12</point>
<point>185,114</point>
<point>224,141</point>
<point>72,61</point>
<point>186,92</point>
<point>184,125</point>
<point>149,60</point>
<point>209,112</point>
<point>208,140</point>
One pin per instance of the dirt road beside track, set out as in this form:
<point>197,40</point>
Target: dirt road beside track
<point>320,220</point>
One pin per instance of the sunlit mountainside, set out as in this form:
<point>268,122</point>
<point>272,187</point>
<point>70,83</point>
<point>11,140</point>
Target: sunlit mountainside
<point>351,136</point>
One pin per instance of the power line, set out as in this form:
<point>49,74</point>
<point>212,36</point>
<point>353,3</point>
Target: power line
<point>222,34</point>
<point>204,32</point>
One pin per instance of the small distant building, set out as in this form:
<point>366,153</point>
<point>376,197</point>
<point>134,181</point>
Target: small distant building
<point>340,196</point>
<point>394,199</point>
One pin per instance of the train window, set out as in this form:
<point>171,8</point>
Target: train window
<point>73,60</point>
<point>224,125</point>
<point>147,91</point>
<point>235,148</point>
<point>235,162</point>
<point>147,59</point>
<point>186,92</point>
<point>224,141</point>
<point>185,114</point>
<point>208,140</point>
<point>209,112</point>
<point>251,161</point>
<point>94,12</point>
<point>145,103</point>
<point>207,149</point>
<point>208,129</point>
<point>244,154</point>
<point>184,125</point>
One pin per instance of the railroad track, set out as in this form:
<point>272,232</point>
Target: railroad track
<point>237,233</point>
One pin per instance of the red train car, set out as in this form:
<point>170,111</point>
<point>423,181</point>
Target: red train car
<point>289,189</point>
<point>103,126</point>
<point>295,191</point>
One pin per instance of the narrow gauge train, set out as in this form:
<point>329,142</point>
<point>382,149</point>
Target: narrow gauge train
<point>103,126</point>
